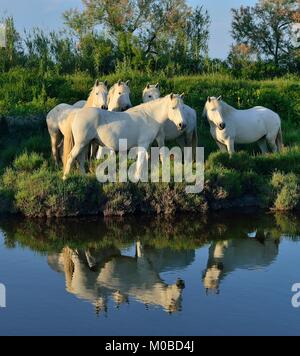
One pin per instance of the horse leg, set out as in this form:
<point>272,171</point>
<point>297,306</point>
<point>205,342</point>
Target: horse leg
<point>272,142</point>
<point>81,159</point>
<point>183,142</point>
<point>160,139</point>
<point>262,143</point>
<point>230,147</point>
<point>222,147</point>
<point>186,141</point>
<point>55,141</point>
<point>76,151</point>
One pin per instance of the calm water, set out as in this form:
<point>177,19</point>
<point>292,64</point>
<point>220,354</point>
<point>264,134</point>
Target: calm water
<point>124,277</point>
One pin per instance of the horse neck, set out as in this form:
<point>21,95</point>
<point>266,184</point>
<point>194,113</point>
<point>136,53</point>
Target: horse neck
<point>226,109</point>
<point>90,101</point>
<point>157,110</point>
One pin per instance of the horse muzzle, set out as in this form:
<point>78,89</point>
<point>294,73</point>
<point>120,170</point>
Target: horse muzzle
<point>104,107</point>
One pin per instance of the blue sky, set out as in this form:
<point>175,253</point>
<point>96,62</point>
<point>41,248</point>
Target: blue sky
<point>48,15</point>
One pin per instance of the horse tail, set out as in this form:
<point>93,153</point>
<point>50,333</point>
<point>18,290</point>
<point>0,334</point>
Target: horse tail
<point>279,140</point>
<point>68,140</point>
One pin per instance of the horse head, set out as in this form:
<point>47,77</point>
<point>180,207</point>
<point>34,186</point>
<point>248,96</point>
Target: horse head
<point>99,94</point>
<point>119,97</point>
<point>151,92</point>
<point>213,110</point>
<point>176,112</point>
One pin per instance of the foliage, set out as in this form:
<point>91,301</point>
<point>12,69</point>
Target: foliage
<point>287,188</point>
<point>268,30</point>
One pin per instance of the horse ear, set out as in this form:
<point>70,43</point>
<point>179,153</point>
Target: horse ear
<point>97,83</point>
<point>157,86</point>
<point>209,99</point>
<point>172,96</point>
<point>182,95</point>
<point>220,98</point>
<point>127,83</point>
<point>119,82</point>
<point>148,86</point>
<point>106,83</point>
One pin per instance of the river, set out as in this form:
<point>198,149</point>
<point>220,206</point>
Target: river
<point>226,274</point>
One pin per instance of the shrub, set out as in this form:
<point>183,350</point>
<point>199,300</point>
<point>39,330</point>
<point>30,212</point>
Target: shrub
<point>287,191</point>
<point>240,161</point>
<point>119,199</point>
<point>28,162</point>
<point>223,183</point>
<point>39,192</point>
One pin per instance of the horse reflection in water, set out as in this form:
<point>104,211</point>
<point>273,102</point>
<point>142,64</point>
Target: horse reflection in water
<point>256,251</point>
<point>97,275</point>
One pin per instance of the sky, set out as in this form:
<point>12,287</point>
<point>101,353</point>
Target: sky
<point>47,14</point>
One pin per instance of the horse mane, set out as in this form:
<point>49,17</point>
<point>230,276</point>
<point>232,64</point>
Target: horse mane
<point>226,108</point>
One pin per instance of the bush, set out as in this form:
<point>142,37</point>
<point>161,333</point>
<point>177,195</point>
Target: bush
<point>240,161</point>
<point>120,199</point>
<point>287,190</point>
<point>28,162</point>
<point>223,183</point>
<point>41,192</point>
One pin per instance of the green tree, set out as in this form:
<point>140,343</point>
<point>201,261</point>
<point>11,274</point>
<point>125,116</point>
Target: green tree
<point>12,54</point>
<point>160,32</point>
<point>269,28</point>
<point>38,50</point>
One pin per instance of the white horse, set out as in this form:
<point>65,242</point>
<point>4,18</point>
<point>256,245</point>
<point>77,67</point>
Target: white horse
<point>151,92</point>
<point>229,126</point>
<point>119,97</point>
<point>140,126</point>
<point>97,275</point>
<point>225,257</point>
<point>58,117</point>
<point>186,138</point>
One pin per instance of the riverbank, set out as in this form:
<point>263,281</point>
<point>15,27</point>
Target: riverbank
<point>33,187</point>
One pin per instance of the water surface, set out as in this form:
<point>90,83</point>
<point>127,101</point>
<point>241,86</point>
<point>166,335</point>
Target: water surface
<point>126,277</point>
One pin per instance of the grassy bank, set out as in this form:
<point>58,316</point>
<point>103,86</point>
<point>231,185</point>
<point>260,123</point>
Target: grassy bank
<point>32,186</point>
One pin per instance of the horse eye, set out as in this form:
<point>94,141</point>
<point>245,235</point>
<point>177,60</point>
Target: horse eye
<point>150,96</point>
<point>120,93</point>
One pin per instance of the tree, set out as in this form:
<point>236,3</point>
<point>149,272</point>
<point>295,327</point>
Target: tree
<point>269,28</point>
<point>153,31</point>
<point>11,55</point>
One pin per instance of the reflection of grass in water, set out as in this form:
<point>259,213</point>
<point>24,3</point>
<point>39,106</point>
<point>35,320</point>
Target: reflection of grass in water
<point>177,233</point>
